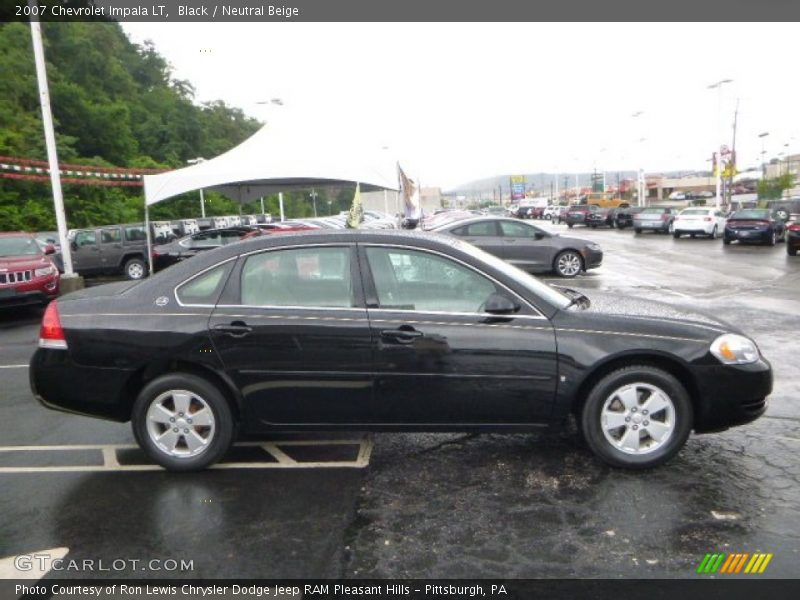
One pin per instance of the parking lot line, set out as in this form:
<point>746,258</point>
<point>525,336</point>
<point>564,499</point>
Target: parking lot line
<point>282,459</point>
<point>13,366</point>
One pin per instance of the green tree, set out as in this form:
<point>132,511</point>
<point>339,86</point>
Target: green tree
<point>772,189</point>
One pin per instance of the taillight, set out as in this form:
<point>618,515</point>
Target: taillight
<point>51,334</point>
<point>794,227</point>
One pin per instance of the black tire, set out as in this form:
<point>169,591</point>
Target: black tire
<point>772,238</point>
<point>569,225</point>
<point>714,233</point>
<point>637,230</point>
<point>565,258</point>
<point>591,417</point>
<point>135,268</point>
<point>726,241</point>
<point>791,251</point>
<point>676,234</point>
<point>223,425</point>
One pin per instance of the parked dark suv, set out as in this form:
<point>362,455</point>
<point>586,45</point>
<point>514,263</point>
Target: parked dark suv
<point>27,275</point>
<point>111,250</point>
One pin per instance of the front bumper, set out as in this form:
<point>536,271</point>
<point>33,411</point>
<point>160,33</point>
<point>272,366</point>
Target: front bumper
<point>730,395</point>
<point>591,258</point>
<point>38,291</point>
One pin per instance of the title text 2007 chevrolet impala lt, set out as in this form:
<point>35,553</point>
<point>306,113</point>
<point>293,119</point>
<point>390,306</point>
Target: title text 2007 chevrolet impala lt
<point>386,331</point>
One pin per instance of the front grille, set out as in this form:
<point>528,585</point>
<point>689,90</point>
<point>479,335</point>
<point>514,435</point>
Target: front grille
<point>18,277</point>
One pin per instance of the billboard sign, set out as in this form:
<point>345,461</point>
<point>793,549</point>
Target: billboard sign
<point>517,187</point>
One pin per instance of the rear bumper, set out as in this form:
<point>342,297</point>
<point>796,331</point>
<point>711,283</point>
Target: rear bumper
<point>59,383</point>
<point>693,227</point>
<point>731,395</point>
<point>749,235</point>
<point>652,225</point>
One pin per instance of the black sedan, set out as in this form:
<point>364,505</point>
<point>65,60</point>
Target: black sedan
<point>759,225</point>
<point>386,330</point>
<point>793,236</point>
<point>526,246</point>
<point>165,255</point>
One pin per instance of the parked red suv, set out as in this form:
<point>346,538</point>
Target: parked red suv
<point>27,275</point>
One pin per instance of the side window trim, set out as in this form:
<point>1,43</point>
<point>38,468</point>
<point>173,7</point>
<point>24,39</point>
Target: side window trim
<point>225,279</point>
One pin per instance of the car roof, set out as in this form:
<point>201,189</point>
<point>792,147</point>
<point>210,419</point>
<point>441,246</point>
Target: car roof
<point>479,218</point>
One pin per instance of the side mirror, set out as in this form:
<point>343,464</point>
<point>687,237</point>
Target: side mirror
<point>498,304</point>
<point>49,249</point>
<point>539,235</point>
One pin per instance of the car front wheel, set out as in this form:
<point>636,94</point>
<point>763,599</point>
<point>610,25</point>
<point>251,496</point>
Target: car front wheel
<point>182,422</point>
<point>568,263</point>
<point>637,417</point>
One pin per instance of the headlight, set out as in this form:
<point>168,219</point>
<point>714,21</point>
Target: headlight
<point>594,247</point>
<point>49,270</point>
<point>732,349</point>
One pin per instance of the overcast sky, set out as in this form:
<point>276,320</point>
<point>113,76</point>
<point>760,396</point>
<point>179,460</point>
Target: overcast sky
<point>457,102</point>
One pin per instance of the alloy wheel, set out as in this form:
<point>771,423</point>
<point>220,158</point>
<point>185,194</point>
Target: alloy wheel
<point>568,264</point>
<point>180,423</point>
<point>638,418</point>
<point>135,271</point>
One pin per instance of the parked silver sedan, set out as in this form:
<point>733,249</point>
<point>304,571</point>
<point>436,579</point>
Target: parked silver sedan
<point>527,246</point>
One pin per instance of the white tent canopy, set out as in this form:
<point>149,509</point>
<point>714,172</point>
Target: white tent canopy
<point>278,158</point>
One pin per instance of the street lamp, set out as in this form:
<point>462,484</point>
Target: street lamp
<point>640,186</point>
<point>718,86</point>
<point>763,152</point>
<point>197,161</point>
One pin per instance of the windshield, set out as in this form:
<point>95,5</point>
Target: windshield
<point>754,213</point>
<point>20,245</point>
<point>529,282</point>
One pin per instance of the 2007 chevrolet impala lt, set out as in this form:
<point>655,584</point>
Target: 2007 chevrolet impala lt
<point>386,331</point>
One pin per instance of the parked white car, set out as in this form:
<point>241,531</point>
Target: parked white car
<point>551,212</point>
<point>699,221</point>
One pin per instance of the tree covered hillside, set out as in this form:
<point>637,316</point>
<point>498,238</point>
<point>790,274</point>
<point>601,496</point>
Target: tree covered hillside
<point>116,104</point>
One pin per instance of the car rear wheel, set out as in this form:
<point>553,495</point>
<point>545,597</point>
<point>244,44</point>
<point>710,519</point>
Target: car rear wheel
<point>791,251</point>
<point>182,422</point>
<point>714,233</point>
<point>637,417</point>
<point>676,234</point>
<point>772,238</point>
<point>135,268</point>
<point>569,225</point>
<point>637,229</point>
<point>568,264</point>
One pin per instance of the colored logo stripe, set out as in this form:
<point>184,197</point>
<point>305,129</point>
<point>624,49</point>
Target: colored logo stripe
<point>735,563</point>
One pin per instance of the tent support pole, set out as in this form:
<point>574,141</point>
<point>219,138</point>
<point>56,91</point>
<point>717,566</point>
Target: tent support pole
<point>280,201</point>
<point>149,239</point>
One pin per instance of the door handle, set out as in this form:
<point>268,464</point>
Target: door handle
<point>404,336</point>
<point>236,329</point>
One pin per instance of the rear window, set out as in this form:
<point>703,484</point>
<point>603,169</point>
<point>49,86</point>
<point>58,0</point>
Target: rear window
<point>753,213</point>
<point>654,211</point>
<point>135,234</point>
<point>695,211</point>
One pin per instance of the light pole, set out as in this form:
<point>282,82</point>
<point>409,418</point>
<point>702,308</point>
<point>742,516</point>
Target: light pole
<point>52,154</point>
<point>313,195</point>
<point>197,161</point>
<point>763,153</point>
<point>718,86</point>
<point>640,171</point>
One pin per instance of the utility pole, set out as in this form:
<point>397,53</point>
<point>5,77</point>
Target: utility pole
<point>732,170</point>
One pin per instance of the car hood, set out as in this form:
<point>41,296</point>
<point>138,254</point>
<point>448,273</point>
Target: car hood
<point>565,241</point>
<point>628,314</point>
<point>8,263</point>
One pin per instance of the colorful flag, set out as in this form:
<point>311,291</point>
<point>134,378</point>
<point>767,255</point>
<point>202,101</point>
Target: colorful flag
<point>356,211</point>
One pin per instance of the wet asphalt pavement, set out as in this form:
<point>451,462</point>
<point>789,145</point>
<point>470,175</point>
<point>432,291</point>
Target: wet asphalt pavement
<point>447,505</point>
